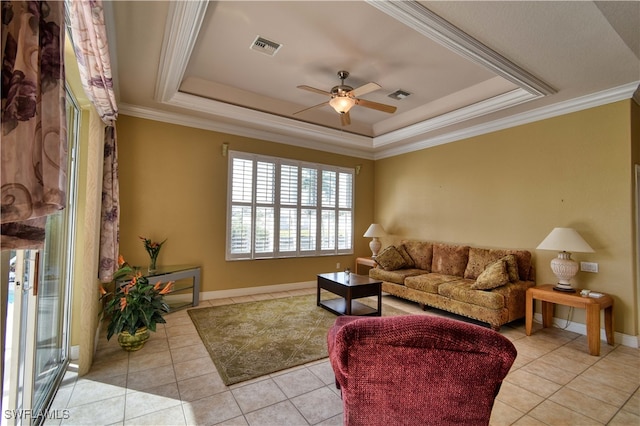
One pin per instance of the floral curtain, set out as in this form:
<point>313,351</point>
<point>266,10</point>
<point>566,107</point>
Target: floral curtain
<point>90,44</point>
<point>34,138</point>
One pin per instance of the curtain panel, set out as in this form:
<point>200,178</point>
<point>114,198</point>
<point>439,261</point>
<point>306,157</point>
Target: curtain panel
<point>34,137</point>
<point>91,46</point>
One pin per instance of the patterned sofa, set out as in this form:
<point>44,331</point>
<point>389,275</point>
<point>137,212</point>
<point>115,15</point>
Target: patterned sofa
<point>488,285</point>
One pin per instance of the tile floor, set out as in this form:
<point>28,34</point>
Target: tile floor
<point>172,381</point>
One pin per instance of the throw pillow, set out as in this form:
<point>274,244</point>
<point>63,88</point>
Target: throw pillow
<point>523,258</point>
<point>494,275</point>
<point>390,259</point>
<point>512,267</point>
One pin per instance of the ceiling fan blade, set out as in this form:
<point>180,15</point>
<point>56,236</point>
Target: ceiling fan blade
<point>312,107</point>
<point>314,90</point>
<point>375,105</point>
<point>345,119</point>
<point>363,90</point>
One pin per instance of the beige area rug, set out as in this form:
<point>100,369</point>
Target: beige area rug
<point>249,340</point>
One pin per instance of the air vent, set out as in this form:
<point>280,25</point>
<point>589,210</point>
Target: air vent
<point>265,46</point>
<point>399,94</point>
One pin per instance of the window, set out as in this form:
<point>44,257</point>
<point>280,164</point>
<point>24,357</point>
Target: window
<point>284,208</point>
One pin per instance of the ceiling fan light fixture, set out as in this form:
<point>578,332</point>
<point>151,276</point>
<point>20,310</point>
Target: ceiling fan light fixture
<point>342,104</point>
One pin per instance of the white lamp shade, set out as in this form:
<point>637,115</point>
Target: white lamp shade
<point>565,239</point>
<point>375,230</point>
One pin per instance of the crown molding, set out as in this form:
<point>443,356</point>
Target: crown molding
<point>573,105</point>
<point>584,102</point>
<point>241,130</point>
<point>184,20</point>
<point>427,23</point>
<point>478,109</point>
<point>269,122</point>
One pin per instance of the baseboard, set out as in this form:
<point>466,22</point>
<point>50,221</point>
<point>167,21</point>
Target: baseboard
<point>248,291</point>
<point>576,327</point>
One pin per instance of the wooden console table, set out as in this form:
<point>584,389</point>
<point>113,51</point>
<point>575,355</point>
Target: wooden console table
<point>592,305</point>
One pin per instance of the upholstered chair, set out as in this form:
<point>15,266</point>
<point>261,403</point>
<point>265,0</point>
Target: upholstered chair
<point>417,370</point>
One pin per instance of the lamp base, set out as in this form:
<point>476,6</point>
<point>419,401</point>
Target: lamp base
<point>564,288</point>
<point>375,245</point>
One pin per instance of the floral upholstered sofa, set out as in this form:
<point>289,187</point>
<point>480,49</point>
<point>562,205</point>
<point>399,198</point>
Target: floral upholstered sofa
<point>488,285</point>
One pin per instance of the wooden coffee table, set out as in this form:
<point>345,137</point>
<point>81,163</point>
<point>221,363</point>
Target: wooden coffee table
<point>349,287</point>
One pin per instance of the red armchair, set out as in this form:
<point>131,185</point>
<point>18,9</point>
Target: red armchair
<point>417,369</point>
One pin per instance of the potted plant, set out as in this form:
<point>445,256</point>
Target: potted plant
<point>135,306</point>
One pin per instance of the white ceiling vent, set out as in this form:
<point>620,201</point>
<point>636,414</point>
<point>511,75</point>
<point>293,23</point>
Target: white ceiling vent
<point>399,94</point>
<point>265,46</point>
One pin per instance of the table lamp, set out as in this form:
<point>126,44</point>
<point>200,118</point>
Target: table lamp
<point>565,241</point>
<point>374,232</point>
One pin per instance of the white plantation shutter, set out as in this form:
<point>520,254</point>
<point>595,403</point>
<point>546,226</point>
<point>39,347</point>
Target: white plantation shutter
<point>345,214</point>
<point>273,208</point>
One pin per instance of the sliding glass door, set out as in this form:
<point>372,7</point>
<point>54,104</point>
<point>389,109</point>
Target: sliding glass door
<point>36,344</point>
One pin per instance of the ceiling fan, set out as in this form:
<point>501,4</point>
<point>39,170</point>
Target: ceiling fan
<point>344,97</point>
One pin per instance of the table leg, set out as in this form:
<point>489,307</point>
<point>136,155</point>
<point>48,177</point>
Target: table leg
<point>608,324</point>
<point>318,298</point>
<point>347,302</point>
<point>528,317</point>
<point>196,288</point>
<point>547,314</point>
<point>593,328</point>
<point>379,303</point>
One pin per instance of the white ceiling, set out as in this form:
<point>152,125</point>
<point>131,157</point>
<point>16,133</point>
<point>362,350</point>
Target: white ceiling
<point>471,67</point>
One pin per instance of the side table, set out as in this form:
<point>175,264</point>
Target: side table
<point>183,294</point>
<point>365,261</point>
<point>592,305</point>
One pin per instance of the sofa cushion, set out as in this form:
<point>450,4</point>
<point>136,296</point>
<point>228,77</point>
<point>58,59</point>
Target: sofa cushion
<point>397,276</point>
<point>421,252</point>
<point>461,291</point>
<point>449,259</point>
<point>495,275</point>
<point>408,261</point>
<point>428,282</point>
<point>389,259</point>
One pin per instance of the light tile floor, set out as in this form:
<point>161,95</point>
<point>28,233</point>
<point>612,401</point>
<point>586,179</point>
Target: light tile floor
<point>172,381</point>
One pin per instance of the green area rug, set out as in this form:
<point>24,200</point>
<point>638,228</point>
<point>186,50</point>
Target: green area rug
<point>249,340</point>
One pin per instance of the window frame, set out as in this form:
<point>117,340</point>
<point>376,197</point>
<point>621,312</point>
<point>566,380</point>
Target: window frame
<point>344,207</point>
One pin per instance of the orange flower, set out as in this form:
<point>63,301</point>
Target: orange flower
<point>157,286</point>
<point>167,288</point>
<point>128,287</point>
<point>123,303</point>
<point>120,260</point>
<point>102,290</point>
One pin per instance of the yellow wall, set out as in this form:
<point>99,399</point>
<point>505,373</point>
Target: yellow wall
<point>505,189</point>
<point>173,184</point>
<point>510,188</point>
